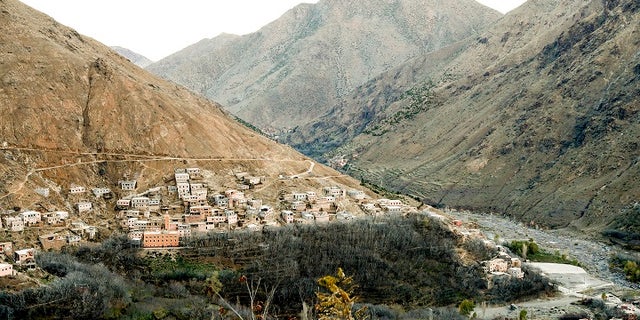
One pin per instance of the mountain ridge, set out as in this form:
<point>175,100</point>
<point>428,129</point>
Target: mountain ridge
<point>543,131</point>
<point>262,77</point>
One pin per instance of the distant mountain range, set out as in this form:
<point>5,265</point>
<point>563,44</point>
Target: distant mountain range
<point>534,114</point>
<point>137,59</point>
<point>297,67</point>
<point>537,117</point>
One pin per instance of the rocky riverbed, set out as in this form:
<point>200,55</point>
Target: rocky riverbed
<point>593,255</point>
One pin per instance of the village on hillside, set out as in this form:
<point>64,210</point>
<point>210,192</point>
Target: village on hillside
<point>163,216</point>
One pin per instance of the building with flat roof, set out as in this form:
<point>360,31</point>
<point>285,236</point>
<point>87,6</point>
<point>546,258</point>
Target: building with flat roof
<point>160,239</point>
<point>6,269</point>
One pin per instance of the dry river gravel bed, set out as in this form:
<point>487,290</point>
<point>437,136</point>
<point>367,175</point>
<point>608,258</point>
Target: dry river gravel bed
<point>593,255</point>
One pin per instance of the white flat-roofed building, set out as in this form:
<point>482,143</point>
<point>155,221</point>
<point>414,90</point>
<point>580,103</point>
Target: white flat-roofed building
<point>287,216</point>
<point>76,189</point>
<point>51,218</point>
<point>183,189</point>
<point>368,207</point>
<point>232,216</point>
<point>200,194</point>
<point>14,224</point>
<point>136,224</point>
<point>129,185</point>
<point>99,192</point>
<point>393,209</point>
<point>84,206</point>
<point>31,217</point>
<point>193,171</point>
<point>334,191</point>
<point>197,186</point>
<point>181,177</point>
<point>515,272</point>
<point>344,216</point>
<point>25,257</point>
<point>329,199</point>
<point>154,205</point>
<point>184,230</point>
<point>62,214</point>
<point>6,269</point>
<point>216,219</point>
<point>140,203</point>
<point>123,203</point>
<point>298,196</point>
<point>202,210</point>
<point>356,194</point>
<point>73,239</point>
<point>311,195</point>
<point>298,206</point>
<point>307,216</point>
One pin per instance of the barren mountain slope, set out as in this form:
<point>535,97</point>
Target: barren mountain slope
<point>514,38</point>
<point>73,111</point>
<point>299,65</point>
<point>536,118</point>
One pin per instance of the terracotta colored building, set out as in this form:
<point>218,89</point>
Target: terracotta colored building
<point>160,239</point>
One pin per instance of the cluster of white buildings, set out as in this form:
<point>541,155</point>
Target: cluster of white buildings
<point>504,265</point>
<point>193,210</point>
<point>11,260</point>
<point>163,214</point>
<point>18,222</point>
<point>308,206</point>
<point>386,206</point>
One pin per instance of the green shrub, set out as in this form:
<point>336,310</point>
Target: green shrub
<point>466,307</point>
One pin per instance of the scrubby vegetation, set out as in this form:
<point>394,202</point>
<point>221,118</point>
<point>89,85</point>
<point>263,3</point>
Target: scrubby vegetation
<point>627,264</point>
<point>79,291</point>
<point>628,239</point>
<point>601,311</point>
<point>418,99</point>
<point>530,250</point>
<point>412,264</point>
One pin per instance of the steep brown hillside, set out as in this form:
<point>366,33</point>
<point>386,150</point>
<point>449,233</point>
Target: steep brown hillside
<point>295,68</point>
<point>536,118</point>
<point>74,111</point>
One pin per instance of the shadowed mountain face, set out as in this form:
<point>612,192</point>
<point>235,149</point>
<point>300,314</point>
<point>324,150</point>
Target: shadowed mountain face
<point>295,68</point>
<point>537,118</point>
<point>74,111</point>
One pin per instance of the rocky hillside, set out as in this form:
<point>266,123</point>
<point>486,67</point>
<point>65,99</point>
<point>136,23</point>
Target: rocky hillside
<point>74,111</point>
<point>138,59</point>
<point>295,68</point>
<point>537,118</point>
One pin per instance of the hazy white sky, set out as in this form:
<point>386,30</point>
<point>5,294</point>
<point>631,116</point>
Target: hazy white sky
<point>157,28</point>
